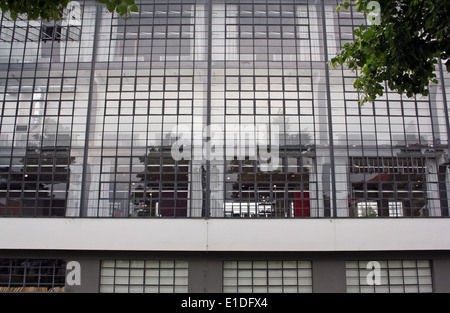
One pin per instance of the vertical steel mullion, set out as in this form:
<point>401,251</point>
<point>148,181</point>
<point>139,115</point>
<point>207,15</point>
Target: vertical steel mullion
<point>84,191</point>
<point>159,276</point>
<point>421,167</point>
<point>388,270</point>
<point>67,172</point>
<point>379,160</point>
<point>191,135</point>
<point>100,184</point>
<point>252,279</point>
<point>147,150</point>
<point>435,161</point>
<point>163,115</point>
<point>116,156</point>
<point>129,275</point>
<point>10,270</point>
<point>444,98</point>
<point>417,275</point>
<point>254,144</point>
<point>115,276</point>
<point>300,163</point>
<point>441,176</point>
<point>329,113</point>
<point>24,278</point>
<point>350,158</point>
<point>17,111</point>
<point>173,277</point>
<point>392,168</point>
<point>403,275</point>
<point>39,270</point>
<point>432,273</point>
<point>408,158</point>
<point>208,110</point>
<point>2,112</point>
<point>359,275</point>
<point>129,200</point>
<point>314,111</point>
<point>16,115</point>
<point>41,143</point>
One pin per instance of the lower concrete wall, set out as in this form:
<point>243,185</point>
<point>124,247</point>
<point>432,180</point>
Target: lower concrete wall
<point>206,269</point>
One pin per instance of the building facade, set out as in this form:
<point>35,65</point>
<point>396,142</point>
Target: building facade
<point>207,146</point>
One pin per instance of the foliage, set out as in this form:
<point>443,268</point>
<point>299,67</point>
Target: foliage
<point>50,9</point>
<point>402,49</point>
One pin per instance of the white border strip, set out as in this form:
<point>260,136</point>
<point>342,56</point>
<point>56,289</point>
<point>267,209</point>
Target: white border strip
<point>225,234</point>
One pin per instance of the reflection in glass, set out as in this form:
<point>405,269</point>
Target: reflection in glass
<point>88,105</point>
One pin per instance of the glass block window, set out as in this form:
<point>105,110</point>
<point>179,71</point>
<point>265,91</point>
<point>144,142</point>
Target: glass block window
<point>389,276</point>
<point>32,275</point>
<point>143,276</point>
<point>267,277</point>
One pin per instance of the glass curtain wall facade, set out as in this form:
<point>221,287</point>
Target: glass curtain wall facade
<point>213,108</point>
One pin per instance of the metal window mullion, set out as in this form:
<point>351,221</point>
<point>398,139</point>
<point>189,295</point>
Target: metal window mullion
<point>25,268</point>
<point>133,116</point>
<point>417,275</point>
<point>314,111</point>
<point>408,158</point>
<point>84,192</point>
<point>114,276</point>
<point>101,154</point>
<point>379,168</point>
<point>52,283</point>
<point>388,270</point>
<point>430,264</point>
<point>403,275</point>
<point>393,158</point>
<point>447,115</point>
<point>284,158</point>
<point>207,201</point>
<point>435,161</point>
<point>299,158</point>
<point>159,276</point>
<point>39,269</point>
<point>444,204</point>
<point>8,185</point>
<point>329,113</point>
<point>147,150</point>
<point>421,165</point>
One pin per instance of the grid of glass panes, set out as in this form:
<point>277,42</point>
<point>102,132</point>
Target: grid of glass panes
<point>44,89</point>
<point>134,79</point>
<point>387,153</point>
<point>143,276</point>
<point>32,275</point>
<point>267,277</point>
<point>159,64</point>
<point>263,74</point>
<point>389,276</point>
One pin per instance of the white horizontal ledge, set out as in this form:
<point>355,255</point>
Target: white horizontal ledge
<point>322,234</point>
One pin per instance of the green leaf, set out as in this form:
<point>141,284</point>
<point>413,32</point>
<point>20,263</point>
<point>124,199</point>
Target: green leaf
<point>122,10</point>
<point>134,8</point>
<point>110,6</point>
